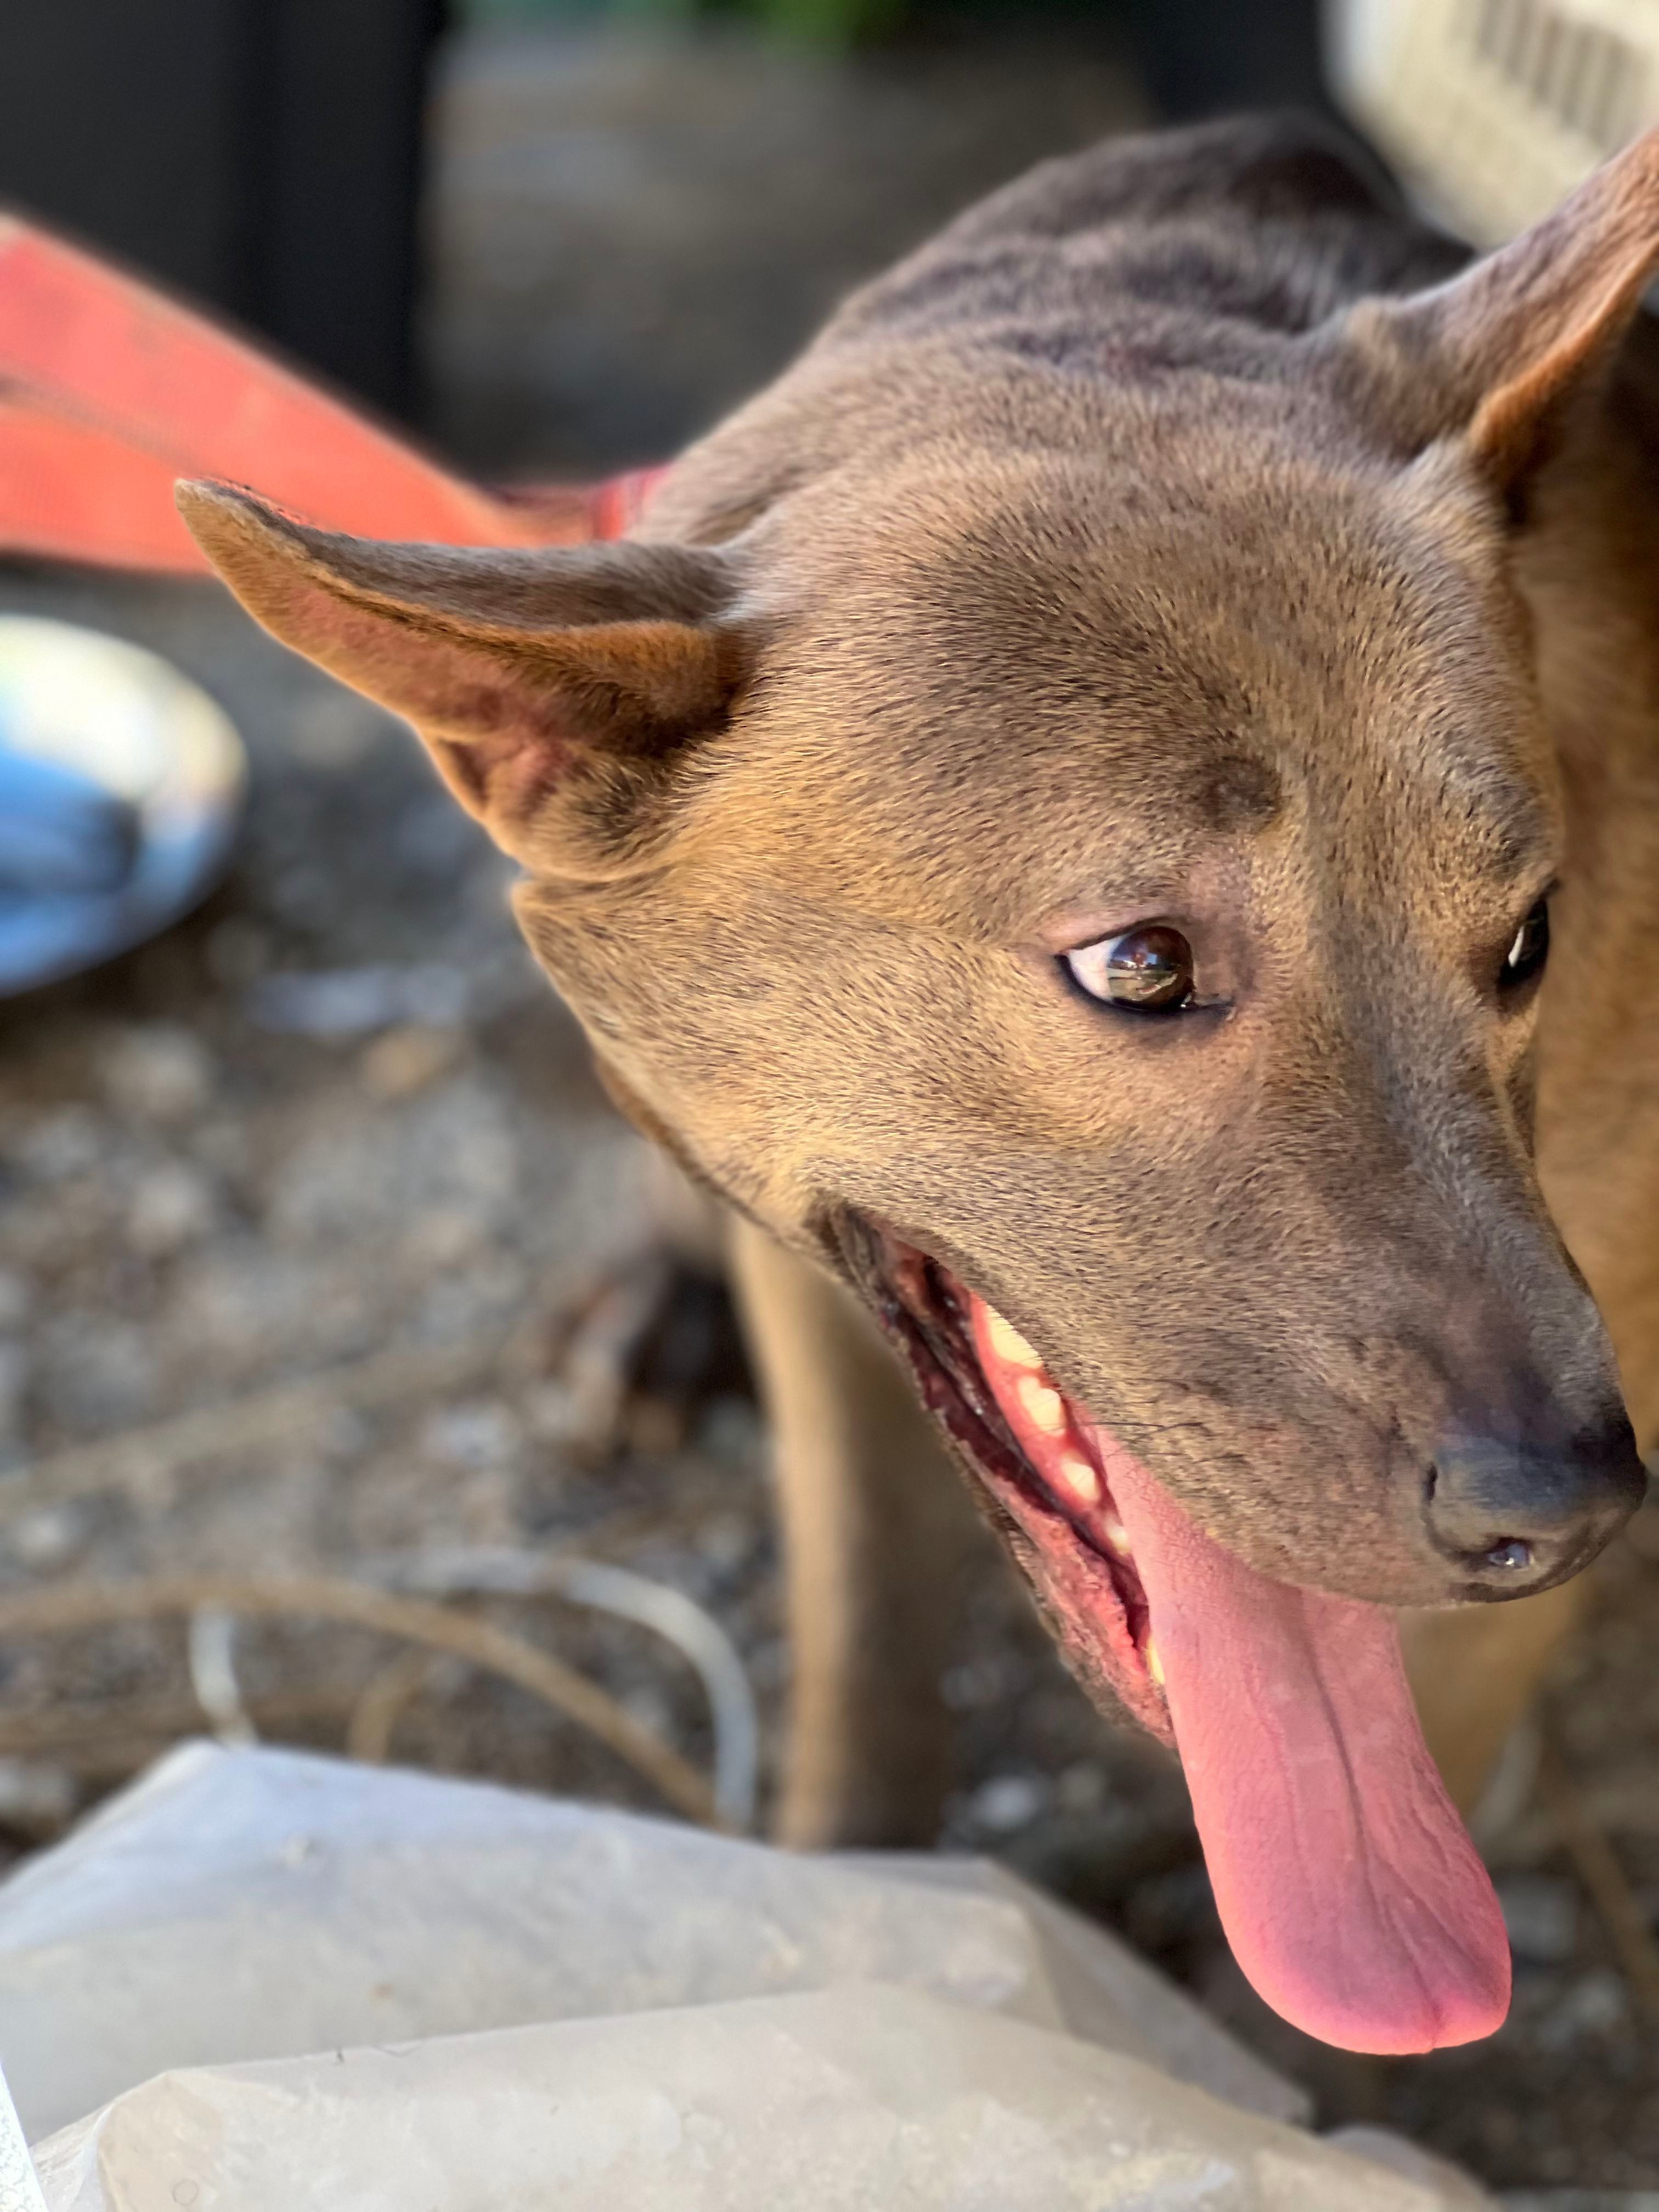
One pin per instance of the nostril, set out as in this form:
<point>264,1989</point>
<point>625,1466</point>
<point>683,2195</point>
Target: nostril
<point>1510,1552</point>
<point>1505,1554</point>
<point>1511,1510</point>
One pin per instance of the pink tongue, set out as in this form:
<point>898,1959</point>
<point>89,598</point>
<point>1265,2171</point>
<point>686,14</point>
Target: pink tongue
<point>1348,1888</point>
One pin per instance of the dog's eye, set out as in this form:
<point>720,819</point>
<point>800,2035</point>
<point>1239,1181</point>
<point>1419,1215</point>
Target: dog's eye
<point>1529,950</point>
<point>1149,969</point>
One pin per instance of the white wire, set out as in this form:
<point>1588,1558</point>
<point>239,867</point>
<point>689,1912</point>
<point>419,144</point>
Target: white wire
<point>492,1571</point>
<point>213,1676</point>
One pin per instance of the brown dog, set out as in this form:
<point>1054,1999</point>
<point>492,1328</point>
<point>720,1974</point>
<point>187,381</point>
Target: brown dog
<point>1058,819</point>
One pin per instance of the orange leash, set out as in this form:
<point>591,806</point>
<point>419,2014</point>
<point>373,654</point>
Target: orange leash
<point>110,392</point>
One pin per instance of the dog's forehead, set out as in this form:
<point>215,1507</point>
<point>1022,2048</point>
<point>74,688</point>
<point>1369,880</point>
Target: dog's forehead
<point>1048,666</point>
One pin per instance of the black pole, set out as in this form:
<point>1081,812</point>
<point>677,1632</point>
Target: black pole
<point>263,156</point>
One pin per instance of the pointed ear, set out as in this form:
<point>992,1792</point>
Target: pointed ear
<point>1491,355</point>
<point>558,691</point>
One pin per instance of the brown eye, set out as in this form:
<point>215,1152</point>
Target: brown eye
<point>1149,969</point>
<point>1529,950</point>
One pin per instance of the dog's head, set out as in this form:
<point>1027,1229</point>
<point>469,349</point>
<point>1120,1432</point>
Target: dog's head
<point>1090,880</point>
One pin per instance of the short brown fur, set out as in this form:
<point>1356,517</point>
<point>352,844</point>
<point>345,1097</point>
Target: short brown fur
<point>1183,533</point>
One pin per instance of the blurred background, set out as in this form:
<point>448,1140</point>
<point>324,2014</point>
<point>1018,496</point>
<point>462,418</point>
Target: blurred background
<point>319,1248</point>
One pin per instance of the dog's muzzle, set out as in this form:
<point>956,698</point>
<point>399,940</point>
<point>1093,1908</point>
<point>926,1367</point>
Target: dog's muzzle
<point>1518,1517</point>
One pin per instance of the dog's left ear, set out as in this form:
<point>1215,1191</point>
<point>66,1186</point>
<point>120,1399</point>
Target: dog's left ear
<point>1490,357</point>
<point>560,691</point>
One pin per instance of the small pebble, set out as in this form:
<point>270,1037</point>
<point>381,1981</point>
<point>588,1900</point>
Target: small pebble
<point>64,1143</point>
<point>1007,1803</point>
<point>552,1413</point>
<point>171,1207</point>
<point>49,1537</point>
<point>444,1237</point>
<point>478,1433</point>
<point>405,1059</point>
<point>158,1073</point>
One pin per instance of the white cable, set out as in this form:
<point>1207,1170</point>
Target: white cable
<point>19,2184</point>
<point>491,1572</point>
<point>213,1676</point>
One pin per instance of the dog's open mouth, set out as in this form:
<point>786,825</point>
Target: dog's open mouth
<point>1348,1886</point>
<point>1038,1463</point>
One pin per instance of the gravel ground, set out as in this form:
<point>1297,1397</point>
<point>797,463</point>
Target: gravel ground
<point>337,1113</point>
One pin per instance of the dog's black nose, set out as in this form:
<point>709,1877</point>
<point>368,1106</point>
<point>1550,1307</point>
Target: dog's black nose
<point>1516,1516</point>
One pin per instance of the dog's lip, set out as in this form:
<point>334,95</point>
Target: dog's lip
<point>1088,1584</point>
<point>921,1300</point>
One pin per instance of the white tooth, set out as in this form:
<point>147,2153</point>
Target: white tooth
<point>1154,1664</point>
<point>1118,1536</point>
<point>1078,1476</point>
<point>1008,1343</point>
<point>1044,1408</point>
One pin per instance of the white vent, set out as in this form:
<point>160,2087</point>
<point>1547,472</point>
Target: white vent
<point>1493,109</point>
<point>1588,78</point>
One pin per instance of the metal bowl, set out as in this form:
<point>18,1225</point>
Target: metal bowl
<point>120,786</point>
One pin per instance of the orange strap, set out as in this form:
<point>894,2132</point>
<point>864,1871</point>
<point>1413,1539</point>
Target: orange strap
<point>110,392</point>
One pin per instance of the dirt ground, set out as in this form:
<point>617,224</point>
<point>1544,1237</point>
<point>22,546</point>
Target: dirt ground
<point>336,1117</point>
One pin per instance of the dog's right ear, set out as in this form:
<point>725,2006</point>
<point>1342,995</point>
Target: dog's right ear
<point>1489,358</point>
<point>560,691</point>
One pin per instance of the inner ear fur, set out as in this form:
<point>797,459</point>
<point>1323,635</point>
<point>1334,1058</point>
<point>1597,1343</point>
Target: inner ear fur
<point>556,689</point>
<point>1490,356</point>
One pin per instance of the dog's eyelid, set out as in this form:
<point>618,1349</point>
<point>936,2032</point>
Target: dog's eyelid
<point>1079,923</point>
<point>1525,908</point>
